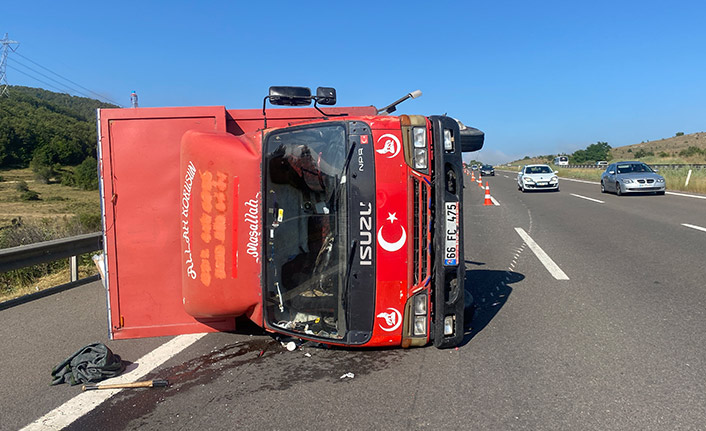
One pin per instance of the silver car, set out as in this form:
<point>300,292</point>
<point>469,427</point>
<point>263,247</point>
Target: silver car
<point>631,177</point>
<point>537,177</point>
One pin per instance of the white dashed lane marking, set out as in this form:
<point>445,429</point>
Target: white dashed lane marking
<point>694,227</point>
<point>543,257</point>
<point>587,198</point>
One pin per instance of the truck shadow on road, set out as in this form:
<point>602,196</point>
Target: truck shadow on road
<point>490,290</point>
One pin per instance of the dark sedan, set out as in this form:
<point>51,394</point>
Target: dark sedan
<point>631,177</point>
<point>487,170</point>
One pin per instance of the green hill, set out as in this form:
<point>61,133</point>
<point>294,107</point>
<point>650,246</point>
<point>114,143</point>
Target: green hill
<point>56,127</point>
<point>678,149</point>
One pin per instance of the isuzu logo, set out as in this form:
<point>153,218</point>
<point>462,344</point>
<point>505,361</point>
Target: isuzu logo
<point>366,234</point>
<point>391,319</point>
<point>390,145</point>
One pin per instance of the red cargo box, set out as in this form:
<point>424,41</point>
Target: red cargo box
<point>139,153</point>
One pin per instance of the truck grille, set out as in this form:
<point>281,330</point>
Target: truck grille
<point>422,208</point>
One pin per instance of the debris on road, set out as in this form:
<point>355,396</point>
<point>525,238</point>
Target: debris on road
<point>348,375</point>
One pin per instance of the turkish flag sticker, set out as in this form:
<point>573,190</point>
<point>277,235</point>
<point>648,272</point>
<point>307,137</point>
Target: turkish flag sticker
<point>364,139</point>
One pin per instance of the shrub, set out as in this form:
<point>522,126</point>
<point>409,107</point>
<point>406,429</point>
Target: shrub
<point>43,173</point>
<point>29,195</point>
<point>642,153</point>
<point>691,151</point>
<point>680,134</point>
<point>21,186</point>
<point>663,154</point>
<point>86,174</point>
<point>89,222</point>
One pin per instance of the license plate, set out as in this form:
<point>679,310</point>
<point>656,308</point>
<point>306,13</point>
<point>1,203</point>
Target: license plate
<point>542,184</point>
<point>451,234</point>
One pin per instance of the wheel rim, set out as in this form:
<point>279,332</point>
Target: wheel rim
<point>602,187</point>
<point>617,189</point>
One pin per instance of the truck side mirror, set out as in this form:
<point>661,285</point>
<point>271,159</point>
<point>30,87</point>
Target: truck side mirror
<point>471,139</point>
<point>290,96</point>
<point>326,96</point>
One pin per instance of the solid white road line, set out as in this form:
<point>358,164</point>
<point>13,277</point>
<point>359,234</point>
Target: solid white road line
<point>548,263</point>
<point>587,198</point>
<point>694,226</point>
<point>84,402</point>
<point>684,194</point>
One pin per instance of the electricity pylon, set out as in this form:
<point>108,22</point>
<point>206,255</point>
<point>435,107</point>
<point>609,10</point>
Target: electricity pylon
<point>6,48</point>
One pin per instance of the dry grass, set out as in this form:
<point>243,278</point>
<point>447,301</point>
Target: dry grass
<point>55,201</point>
<point>55,279</point>
<point>670,146</point>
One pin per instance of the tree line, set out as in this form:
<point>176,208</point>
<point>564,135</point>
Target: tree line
<point>48,131</point>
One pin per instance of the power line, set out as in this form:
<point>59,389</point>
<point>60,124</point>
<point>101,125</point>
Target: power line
<point>61,90</point>
<point>68,80</point>
<point>49,78</point>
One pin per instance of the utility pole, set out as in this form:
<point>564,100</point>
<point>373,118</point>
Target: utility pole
<point>6,48</point>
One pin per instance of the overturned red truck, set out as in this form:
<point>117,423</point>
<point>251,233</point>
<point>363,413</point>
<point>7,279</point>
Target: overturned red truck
<point>342,225</point>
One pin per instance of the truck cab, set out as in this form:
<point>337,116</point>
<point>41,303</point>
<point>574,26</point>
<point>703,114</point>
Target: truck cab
<point>342,225</point>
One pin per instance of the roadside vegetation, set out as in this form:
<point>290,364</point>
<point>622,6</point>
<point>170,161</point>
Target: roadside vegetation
<point>32,211</point>
<point>48,179</point>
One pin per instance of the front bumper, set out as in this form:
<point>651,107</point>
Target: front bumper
<point>448,273</point>
<point>535,186</point>
<point>635,188</point>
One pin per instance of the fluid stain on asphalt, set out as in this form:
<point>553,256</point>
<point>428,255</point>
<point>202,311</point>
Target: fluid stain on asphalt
<point>250,364</point>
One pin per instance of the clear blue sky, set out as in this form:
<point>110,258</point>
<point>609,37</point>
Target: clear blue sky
<point>537,77</point>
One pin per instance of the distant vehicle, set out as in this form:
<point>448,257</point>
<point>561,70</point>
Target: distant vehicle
<point>562,161</point>
<point>631,177</point>
<point>487,170</point>
<point>474,167</point>
<point>601,163</point>
<point>537,177</point>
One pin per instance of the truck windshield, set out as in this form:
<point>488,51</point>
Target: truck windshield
<point>306,229</point>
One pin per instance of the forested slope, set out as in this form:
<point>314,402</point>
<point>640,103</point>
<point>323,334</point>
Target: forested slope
<point>54,128</point>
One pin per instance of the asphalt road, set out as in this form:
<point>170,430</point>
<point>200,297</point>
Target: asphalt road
<point>619,345</point>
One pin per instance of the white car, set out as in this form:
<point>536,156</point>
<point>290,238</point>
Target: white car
<point>537,177</point>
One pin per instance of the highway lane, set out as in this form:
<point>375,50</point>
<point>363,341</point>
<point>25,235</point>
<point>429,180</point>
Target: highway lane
<point>629,323</point>
<point>617,346</point>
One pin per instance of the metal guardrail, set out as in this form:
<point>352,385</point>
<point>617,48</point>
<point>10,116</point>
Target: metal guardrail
<point>48,251</point>
<point>658,166</point>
